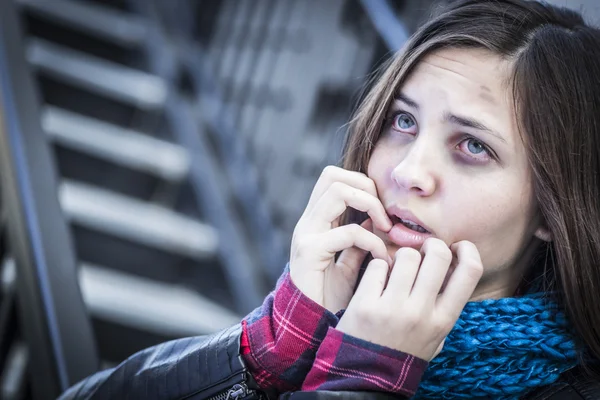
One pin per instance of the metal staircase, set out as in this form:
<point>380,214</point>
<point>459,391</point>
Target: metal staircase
<point>181,141</point>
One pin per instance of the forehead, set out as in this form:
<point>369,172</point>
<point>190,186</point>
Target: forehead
<point>475,73</point>
<point>474,83</point>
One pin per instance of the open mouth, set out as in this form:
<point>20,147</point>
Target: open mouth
<point>409,224</point>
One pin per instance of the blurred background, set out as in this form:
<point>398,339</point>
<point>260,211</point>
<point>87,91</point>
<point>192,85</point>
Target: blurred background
<point>155,156</point>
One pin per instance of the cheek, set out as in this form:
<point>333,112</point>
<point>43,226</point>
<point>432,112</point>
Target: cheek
<point>496,219</point>
<point>380,166</point>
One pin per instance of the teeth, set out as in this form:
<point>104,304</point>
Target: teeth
<point>414,226</point>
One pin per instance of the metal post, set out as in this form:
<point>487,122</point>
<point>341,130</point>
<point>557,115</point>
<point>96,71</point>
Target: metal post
<point>54,322</point>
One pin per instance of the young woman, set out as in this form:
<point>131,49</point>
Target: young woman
<point>472,180</point>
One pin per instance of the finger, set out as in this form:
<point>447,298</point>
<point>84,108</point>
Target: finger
<point>436,260</point>
<point>349,262</point>
<point>373,281</point>
<point>351,259</point>
<point>332,174</point>
<point>339,197</point>
<point>402,277</point>
<point>463,281</point>
<point>367,224</point>
<point>353,235</point>
<point>451,269</point>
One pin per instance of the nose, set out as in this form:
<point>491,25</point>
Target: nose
<point>415,172</point>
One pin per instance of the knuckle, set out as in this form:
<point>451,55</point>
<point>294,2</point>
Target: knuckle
<point>371,185</point>
<point>384,314</point>
<point>302,246</point>
<point>437,248</point>
<point>351,232</point>
<point>408,254</point>
<point>354,229</point>
<point>444,324</point>
<point>469,245</point>
<point>337,187</point>
<point>412,316</point>
<point>351,191</point>
<point>469,259</point>
<point>377,263</point>
<point>474,269</point>
<point>434,243</point>
<point>329,171</point>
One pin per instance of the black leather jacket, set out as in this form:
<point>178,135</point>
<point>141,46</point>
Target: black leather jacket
<point>211,367</point>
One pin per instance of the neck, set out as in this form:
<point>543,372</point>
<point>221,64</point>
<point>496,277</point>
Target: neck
<point>495,289</point>
<point>507,280</point>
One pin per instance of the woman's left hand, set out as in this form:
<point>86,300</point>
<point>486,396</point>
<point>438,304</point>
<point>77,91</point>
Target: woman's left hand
<point>407,312</point>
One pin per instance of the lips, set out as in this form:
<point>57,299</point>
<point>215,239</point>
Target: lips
<point>409,224</point>
<point>401,215</point>
<point>407,230</point>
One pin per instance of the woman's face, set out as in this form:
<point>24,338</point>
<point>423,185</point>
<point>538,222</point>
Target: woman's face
<point>450,158</point>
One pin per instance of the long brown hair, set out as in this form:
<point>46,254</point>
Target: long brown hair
<point>556,89</point>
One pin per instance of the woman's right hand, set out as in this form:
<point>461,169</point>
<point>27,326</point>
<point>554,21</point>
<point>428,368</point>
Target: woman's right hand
<point>318,237</point>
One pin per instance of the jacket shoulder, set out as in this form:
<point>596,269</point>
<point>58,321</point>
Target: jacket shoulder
<point>195,367</point>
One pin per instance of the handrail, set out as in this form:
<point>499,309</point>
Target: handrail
<point>37,233</point>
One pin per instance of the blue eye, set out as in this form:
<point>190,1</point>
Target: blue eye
<point>475,150</point>
<point>403,122</point>
<point>475,147</point>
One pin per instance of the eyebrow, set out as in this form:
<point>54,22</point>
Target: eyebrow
<point>407,100</point>
<point>452,118</point>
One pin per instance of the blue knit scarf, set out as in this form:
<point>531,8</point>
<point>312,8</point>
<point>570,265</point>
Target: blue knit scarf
<point>501,349</point>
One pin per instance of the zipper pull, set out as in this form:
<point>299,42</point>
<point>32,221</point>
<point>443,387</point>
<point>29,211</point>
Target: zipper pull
<point>237,391</point>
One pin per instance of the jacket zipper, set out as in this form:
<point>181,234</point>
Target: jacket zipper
<point>238,391</point>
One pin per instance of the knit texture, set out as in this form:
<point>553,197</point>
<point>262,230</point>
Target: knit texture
<point>501,349</point>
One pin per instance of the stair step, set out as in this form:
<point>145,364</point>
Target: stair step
<point>137,221</point>
<point>13,379</point>
<point>150,305</point>
<point>121,146</point>
<point>105,78</point>
<point>94,19</point>
<point>8,275</point>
